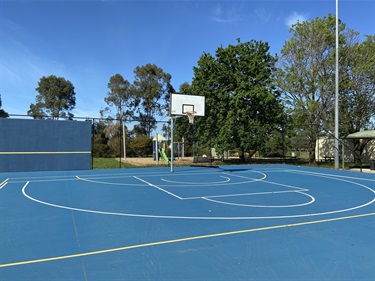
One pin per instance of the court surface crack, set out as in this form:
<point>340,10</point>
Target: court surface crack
<point>77,237</point>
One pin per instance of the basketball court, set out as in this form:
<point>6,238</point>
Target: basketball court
<point>251,222</point>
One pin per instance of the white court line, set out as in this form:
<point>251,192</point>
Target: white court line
<point>213,217</point>
<point>49,180</point>
<point>146,174</point>
<point>243,194</point>
<point>326,175</point>
<point>226,183</point>
<point>197,183</point>
<point>205,217</point>
<point>274,183</point>
<point>109,183</point>
<point>4,183</point>
<point>194,217</point>
<point>93,176</point>
<point>157,187</point>
<point>297,190</point>
<point>265,206</point>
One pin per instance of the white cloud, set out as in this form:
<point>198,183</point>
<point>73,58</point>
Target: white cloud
<point>294,18</point>
<point>225,15</point>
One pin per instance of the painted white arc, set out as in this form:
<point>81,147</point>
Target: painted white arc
<point>211,217</point>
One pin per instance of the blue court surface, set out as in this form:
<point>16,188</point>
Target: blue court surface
<point>253,222</point>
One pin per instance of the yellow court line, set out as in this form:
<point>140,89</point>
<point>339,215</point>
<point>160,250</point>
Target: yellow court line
<point>43,152</point>
<point>182,240</point>
<point>1,184</point>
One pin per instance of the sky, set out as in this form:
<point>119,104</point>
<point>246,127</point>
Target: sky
<point>88,41</point>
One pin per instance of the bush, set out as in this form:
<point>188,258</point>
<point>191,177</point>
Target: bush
<point>100,147</point>
<point>101,150</point>
<point>141,146</point>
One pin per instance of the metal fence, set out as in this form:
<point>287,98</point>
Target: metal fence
<point>137,139</point>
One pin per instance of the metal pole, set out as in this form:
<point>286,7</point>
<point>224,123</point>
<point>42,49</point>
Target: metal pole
<point>120,143</point>
<point>183,148</point>
<point>337,90</point>
<point>92,143</point>
<point>172,146</point>
<point>124,139</point>
<point>343,156</point>
<point>157,149</point>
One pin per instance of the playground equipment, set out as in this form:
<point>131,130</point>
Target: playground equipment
<point>159,148</point>
<point>164,156</point>
<point>159,144</point>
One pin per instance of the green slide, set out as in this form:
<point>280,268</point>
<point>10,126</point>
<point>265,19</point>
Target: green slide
<point>164,156</point>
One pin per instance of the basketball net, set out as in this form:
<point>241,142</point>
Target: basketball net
<point>190,115</point>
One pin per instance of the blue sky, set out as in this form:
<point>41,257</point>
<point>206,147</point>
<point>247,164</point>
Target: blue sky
<point>87,42</point>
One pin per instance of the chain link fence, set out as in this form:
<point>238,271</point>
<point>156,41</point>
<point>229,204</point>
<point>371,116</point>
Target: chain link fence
<point>122,139</point>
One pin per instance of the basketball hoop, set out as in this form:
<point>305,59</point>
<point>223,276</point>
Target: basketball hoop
<point>190,115</point>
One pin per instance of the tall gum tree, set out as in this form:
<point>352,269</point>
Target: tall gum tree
<point>120,98</point>
<point>151,86</point>
<point>306,78</point>
<point>357,90</point>
<point>120,107</point>
<point>306,74</point>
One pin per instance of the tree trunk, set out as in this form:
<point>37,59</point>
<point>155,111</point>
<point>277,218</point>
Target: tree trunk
<point>242,155</point>
<point>312,145</point>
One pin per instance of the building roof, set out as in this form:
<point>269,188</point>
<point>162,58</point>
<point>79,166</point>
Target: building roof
<point>369,134</point>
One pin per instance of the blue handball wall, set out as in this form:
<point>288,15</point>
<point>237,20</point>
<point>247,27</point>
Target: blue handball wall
<point>44,145</point>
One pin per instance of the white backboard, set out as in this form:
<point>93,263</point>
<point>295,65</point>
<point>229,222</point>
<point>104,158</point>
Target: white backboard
<point>181,103</point>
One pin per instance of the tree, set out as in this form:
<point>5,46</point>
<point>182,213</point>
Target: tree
<point>3,113</point>
<point>306,77</point>
<point>56,98</point>
<point>357,90</point>
<point>100,141</point>
<point>242,104</point>
<point>152,87</point>
<point>113,132</point>
<point>120,97</point>
<point>140,146</point>
<point>306,74</point>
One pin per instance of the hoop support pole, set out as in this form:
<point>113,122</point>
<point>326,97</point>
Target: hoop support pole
<point>172,141</point>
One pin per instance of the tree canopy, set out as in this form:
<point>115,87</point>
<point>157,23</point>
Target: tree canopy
<point>254,100</point>
<point>56,98</point>
<point>119,96</point>
<point>357,88</point>
<point>306,74</point>
<point>242,104</point>
<point>152,87</point>
<point>306,77</point>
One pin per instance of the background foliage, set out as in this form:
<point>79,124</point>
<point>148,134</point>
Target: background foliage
<point>255,102</point>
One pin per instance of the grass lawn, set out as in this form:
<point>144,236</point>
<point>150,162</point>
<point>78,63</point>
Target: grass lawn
<point>109,163</point>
